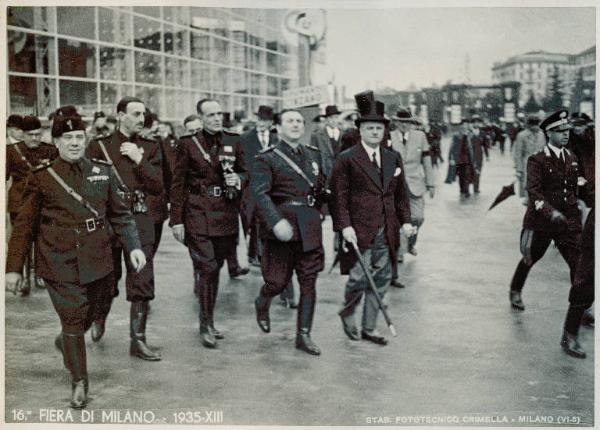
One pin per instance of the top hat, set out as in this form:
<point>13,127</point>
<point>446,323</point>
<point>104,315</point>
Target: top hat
<point>580,118</point>
<point>15,121</point>
<point>265,112</point>
<point>66,119</point>
<point>331,110</point>
<point>558,121</point>
<point>31,123</point>
<point>369,109</point>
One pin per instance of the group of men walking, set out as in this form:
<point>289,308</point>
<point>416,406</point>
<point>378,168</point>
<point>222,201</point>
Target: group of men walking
<point>89,205</point>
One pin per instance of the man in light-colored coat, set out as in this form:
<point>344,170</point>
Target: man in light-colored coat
<point>528,142</point>
<point>412,145</point>
<point>327,139</point>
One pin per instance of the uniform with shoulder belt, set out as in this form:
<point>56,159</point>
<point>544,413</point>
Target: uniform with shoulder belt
<point>209,212</point>
<point>288,183</point>
<point>136,182</point>
<point>552,213</point>
<point>76,204</point>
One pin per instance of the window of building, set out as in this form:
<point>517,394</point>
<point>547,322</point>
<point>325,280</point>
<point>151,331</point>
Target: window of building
<point>82,95</point>
<point>114,26</point>
<point>148,68</point>
<point>200,75</point>
<point>32,96</point>
<point>76,58</point>
<point>220,51</point>
<point>31,53</point>
<point>38,18</point>
<point>116,64</point>
<point>147,33</point>
<point>110,94</point>
<point>151,97</point>
<point>176,72</point>
<point>176,40</point>
<point>152,11</point>
<point>76,21</point>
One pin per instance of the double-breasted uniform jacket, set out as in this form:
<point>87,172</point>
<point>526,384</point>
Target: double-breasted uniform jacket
<point>584,148</point>
<point>146,176</point>
<point>280,193</point>
<point>251,147</point>
<point>552,184</point>
<point>329,148</point>
<point>73,245</point>
<point>197,197</point>
<point>416,158</point>
<point>19,169</point>
<point>361,195</point>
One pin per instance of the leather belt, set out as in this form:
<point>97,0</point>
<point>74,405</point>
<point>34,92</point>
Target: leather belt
<point>210,191</point>
<point>295,201</point>
<point>90,224</point>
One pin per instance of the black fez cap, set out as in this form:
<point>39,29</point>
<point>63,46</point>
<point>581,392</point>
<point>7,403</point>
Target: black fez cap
<point>66,119</point>
<point>31,123</point>
<point>15,121</point>
<point>558,121</point>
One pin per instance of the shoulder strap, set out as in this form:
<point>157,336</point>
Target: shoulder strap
<point>16,146</point>
<point>72,192</point>
<point>112,166</point>
<point>293,165</point>
<point>202,151</point>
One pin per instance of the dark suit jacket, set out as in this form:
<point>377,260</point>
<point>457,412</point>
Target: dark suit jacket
<point>329,149</point>
<point>358,194</point>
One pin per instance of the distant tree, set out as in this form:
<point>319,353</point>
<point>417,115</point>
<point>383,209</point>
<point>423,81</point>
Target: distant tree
<point>531,106</point>
<point>577,91</point>
<point>554,96</point>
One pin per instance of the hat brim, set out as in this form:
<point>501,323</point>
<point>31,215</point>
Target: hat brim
<point>564,127</point>
<point>332,113</point>
<point>371,119</point>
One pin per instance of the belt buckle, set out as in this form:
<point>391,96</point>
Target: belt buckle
<point>217,191</point>
<point>310,200</point>
<point>90,224</point>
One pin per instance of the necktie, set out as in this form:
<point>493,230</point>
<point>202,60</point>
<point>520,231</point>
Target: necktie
<point>404,138</point>
<point>562,155</point>
<point>374,161</point>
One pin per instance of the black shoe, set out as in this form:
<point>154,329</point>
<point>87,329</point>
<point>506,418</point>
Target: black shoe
<point>25,290</point>
<point>97,330</point>
<point>571,346</point>
<point>288,303</point>
<point>262,315</point>
<point>79,391</point>
<point>39,283</point>
<point>305,343</point>
<point>379,340</point>
<point>515,300</point>
<point>239,272</point>
<point>216,333</point>
<point>396,284</point>
<point>351,331</point>
<point>588,319</point>
<point>207,337</point>
<point>138,348</point>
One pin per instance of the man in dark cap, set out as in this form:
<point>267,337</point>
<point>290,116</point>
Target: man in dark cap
<point>288,186</point>
<point>462,158</point>
<point>73,200</point>
<point>21,159</point>
<point>583,144</point>
<point>528,142</point>
<point>205,197</point>
<point>369,204</point>
<point>136,163</point>
<point>552,212</point>
<point>14,129</point>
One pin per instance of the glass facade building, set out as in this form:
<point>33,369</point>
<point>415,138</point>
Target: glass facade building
<point>169,56</point>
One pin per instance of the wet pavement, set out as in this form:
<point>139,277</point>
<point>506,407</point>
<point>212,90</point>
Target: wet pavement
<point>462,354</point>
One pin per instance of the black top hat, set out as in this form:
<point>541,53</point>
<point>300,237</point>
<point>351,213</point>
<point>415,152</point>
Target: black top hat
<point>66,119</point>
<point>580,118</point>
<point>558,121</point>
<point>31,123</point>
<point>265,112</point>
<point>533,120</point>
<point>404,114</point>
<point>227,120</point>
<point>331,110</point>
<point>15,121</point>
<point>369,109</point>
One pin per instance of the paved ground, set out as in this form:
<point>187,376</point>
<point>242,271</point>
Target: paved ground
<point>461,351</point>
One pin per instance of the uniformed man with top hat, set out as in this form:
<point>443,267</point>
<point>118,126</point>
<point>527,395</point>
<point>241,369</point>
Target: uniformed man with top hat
<point>74,200</point>
<point>288,186</point>
<point>552,214</point>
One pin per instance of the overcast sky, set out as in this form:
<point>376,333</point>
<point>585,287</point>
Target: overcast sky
<point>397,47</point>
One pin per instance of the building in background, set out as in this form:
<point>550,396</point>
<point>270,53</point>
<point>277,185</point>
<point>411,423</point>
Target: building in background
<point>537,71</point>
<point>170,57</point>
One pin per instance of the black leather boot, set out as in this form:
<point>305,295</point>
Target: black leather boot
<point>59,343</point>
<point>138,347</point>
<point>211,323</point>
<point>206,335</point>
<point>261,304</point>
<point>97,329</point>
<point>75,357</point>
<point>517,283</point>
<point>306,310</point>
<point>515,300</point>
<point>571,346</point>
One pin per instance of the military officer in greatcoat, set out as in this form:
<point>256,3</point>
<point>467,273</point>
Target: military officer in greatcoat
<point>369,207</point>
<point>136,162</point>
<point>288,186</point>
<point>74,200</point>
<point>205,197</point>
<point>21,158</point>
<point>552,213</point>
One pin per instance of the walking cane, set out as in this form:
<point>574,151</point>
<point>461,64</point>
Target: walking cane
<point>374,290</point>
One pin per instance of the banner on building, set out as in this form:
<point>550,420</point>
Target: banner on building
<point>305,96</point>
<point>509,112</point>
<point>455,114</point>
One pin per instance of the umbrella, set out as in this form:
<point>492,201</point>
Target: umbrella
<point>506,192</point>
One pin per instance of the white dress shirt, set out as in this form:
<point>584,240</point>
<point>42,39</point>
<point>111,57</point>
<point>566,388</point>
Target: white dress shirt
<point>371,151</point>
<point>559,152</point>
<point>333,133</point>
